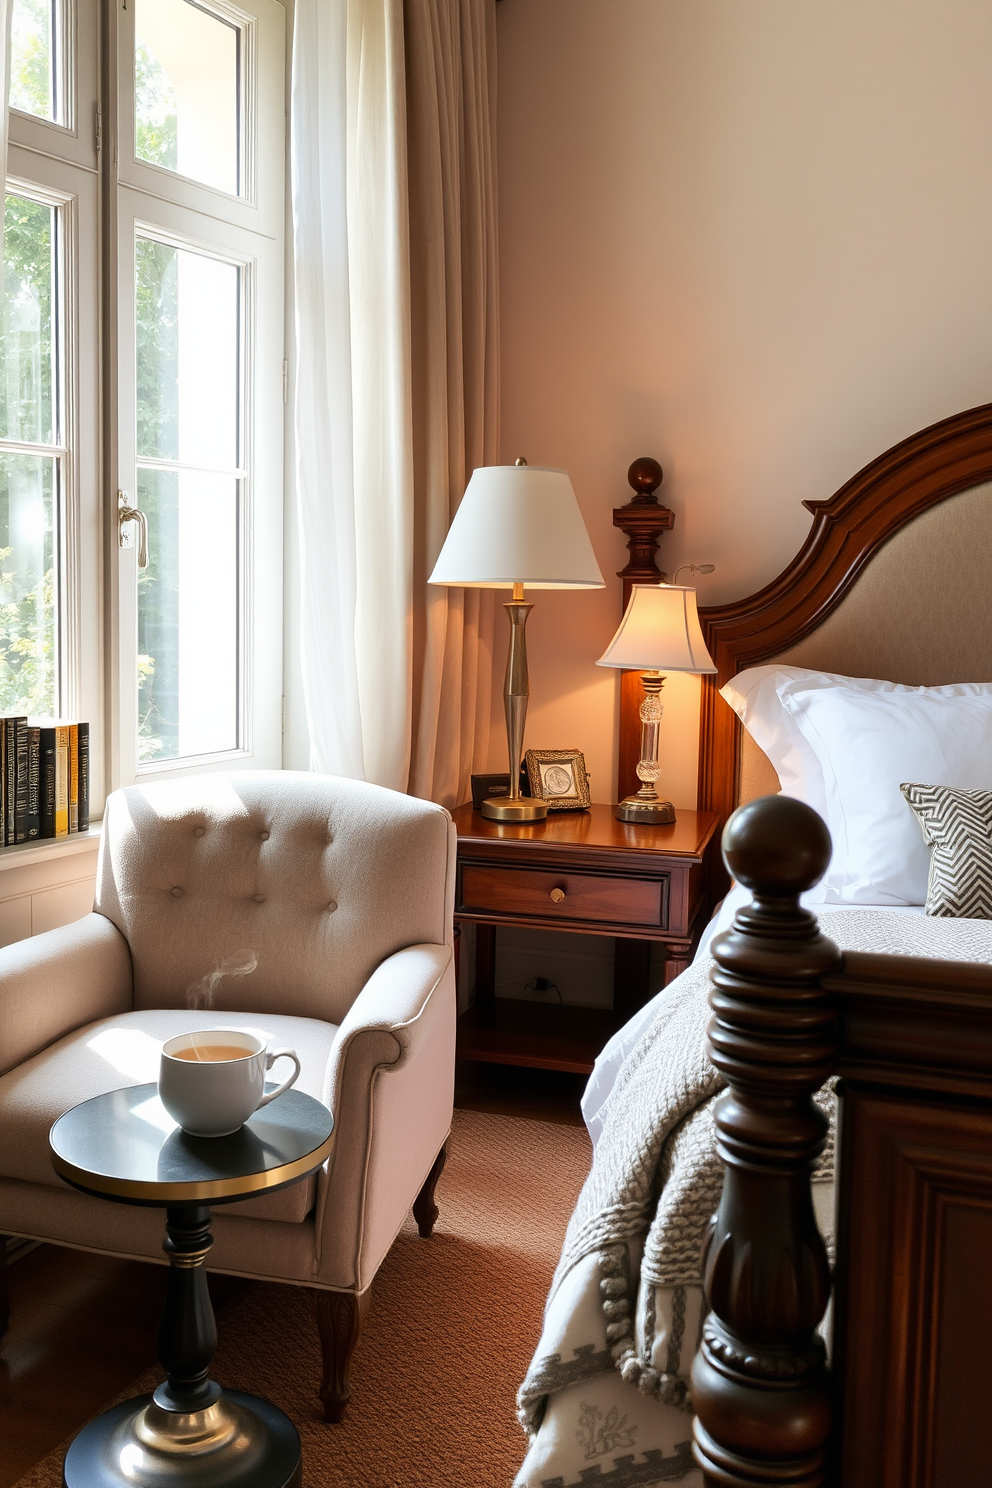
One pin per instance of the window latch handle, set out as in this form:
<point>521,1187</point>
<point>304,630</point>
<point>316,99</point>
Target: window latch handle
<point>126,513</point>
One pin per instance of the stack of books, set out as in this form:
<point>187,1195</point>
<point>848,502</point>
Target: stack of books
<point>44,778</point>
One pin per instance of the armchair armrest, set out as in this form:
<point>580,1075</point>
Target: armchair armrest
<point>58,981</point>
<point>386,1020</point>
<point>390,1085</point>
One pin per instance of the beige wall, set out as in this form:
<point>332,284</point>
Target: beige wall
<point>752,238</point>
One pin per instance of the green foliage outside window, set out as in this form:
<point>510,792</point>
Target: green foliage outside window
<point>27,481</point>
<point>156,137</point>
<point>31,58</point>
<point>27,642</point>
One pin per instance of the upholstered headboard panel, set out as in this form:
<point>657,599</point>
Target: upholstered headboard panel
<point>919,612</point>
<point>893,581</point>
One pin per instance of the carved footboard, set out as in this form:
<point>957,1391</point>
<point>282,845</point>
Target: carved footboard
<point>907,1405</point>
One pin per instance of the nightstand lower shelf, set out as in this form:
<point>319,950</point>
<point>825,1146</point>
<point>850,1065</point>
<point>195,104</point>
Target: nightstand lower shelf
<point>541,1035</point>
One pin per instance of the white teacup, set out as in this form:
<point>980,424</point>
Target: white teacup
<point>212,1080</point>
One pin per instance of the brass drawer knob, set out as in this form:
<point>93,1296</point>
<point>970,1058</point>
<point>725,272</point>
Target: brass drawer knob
<point>557,895</point>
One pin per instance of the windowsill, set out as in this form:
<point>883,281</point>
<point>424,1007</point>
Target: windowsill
<point>19,854</point>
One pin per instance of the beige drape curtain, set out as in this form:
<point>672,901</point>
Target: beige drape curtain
<point>396,379</point>
<point>451,99</point>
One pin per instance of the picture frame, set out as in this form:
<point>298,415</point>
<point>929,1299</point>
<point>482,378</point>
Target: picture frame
<point>558,777</point>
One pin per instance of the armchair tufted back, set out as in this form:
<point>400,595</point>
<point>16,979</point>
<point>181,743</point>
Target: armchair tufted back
<point>321,878</point>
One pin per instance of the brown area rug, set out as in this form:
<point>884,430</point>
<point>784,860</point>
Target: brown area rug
<point>453,1323</point>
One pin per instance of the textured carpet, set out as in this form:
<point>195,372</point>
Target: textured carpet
<point>451,1329</point>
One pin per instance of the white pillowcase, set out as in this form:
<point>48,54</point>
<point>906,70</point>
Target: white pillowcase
<point>844,745</point>
<point>756,698</point>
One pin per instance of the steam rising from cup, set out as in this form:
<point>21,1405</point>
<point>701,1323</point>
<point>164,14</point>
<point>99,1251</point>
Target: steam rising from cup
<point>201,994</point>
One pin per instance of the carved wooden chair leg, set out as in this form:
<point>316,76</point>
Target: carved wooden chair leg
<point>340,1316</point>
<point>425,1211</point>
<point>4,1296</point>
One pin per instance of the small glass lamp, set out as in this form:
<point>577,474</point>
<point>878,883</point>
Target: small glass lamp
<point>659,632</point>
<point>517,525</point>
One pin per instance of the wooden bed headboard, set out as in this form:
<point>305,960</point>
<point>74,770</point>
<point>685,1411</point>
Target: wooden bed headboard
<point>893,581</point>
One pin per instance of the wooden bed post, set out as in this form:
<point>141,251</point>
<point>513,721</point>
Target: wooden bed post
<point>760,1386</point>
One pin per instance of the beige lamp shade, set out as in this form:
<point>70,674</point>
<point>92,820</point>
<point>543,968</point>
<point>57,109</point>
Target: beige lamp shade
<point>518,524</point>
<point>660,631</point>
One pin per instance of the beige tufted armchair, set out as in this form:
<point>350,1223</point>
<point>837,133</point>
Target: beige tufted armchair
<point>344,893</point>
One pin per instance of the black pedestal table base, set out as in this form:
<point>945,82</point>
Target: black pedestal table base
<point>264,1454</point>
<point>190,1433</point>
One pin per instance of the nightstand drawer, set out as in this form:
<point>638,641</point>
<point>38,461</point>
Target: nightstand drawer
<point>542,894</point>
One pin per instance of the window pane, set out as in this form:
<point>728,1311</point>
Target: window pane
<point>32,57</point>
<point>186,91</point>
<point>27,345</point>
<point>188,313</point>
<point>27,584</point>
<point>188,615</point>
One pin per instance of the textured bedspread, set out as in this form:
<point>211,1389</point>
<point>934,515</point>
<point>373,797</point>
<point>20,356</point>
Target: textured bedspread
<point>606,1392</point>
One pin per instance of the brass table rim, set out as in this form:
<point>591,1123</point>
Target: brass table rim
<point>185,1191</point>
<point>191,1192</point>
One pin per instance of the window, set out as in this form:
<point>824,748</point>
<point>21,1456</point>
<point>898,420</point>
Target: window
<point>37,84</point>
<point>32,454</point>
<point>190,309</point>
<point>189,65</point>
<point>142,362</point>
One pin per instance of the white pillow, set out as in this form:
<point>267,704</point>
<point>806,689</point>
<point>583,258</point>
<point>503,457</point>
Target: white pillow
<point>755,696</point>
<point>867,743</point>
<point>758,697</point>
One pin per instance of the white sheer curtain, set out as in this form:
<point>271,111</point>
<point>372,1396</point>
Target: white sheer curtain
<point>352,417</point>
<point>396,326</point>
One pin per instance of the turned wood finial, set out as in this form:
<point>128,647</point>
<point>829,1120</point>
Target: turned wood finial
<point>760,1386</point>
<point>643,520</point>
<point>776,847</point>
<point>644,476</point>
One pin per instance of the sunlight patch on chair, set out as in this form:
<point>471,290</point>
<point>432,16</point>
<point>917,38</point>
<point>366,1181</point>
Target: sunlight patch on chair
<point>129,1051</point>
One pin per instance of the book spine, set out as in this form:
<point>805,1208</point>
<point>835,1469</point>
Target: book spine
<point>9,779</point>
<point>61,780</point>
<point>84,777</point>
<point>21,780</point>
<point>47,783</point>
<point>3,781</point>
<point>73,777</point>
<point>34,782</point>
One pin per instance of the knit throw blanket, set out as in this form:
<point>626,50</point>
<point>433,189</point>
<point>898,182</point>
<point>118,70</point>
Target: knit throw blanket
<point>656,1177</point>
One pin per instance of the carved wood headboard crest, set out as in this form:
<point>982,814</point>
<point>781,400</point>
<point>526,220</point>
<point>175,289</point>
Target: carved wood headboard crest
<point>847,531</point>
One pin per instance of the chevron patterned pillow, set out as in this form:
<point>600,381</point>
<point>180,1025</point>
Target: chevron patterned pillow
<point>957,826</point>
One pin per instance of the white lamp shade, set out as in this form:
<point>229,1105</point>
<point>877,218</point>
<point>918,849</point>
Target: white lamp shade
<point>518,524</point>
<point>660,631</point>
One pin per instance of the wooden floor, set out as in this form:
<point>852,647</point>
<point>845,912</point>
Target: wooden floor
<point>82,1326</point>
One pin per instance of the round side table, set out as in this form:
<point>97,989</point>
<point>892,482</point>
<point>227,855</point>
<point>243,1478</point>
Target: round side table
<point>188,1434</point>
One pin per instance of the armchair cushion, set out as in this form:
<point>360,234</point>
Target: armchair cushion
<point>124,1050</point>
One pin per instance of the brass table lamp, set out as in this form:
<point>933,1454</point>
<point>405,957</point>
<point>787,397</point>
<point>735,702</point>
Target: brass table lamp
<point>517,525</point>
<point>659,632</point>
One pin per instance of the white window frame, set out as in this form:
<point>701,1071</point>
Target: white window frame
<point>86,164</point>
<point>261,519</point>
<point>57,163</point>
<point>151,200</point>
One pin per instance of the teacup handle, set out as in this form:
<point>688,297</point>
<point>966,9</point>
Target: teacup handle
<point>271,1055</point>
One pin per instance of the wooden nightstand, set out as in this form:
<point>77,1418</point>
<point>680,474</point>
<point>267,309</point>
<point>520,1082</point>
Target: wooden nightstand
<point>579,871</point>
